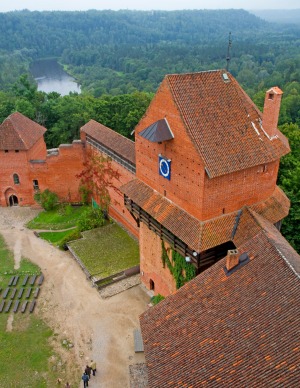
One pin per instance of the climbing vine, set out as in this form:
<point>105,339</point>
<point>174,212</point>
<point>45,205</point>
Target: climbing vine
<point>182,271</point>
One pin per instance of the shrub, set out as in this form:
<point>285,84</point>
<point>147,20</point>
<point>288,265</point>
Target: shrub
<point>74,235</point>
<point>47,199</point>
<point>90,219</point>
<point>156,299</point>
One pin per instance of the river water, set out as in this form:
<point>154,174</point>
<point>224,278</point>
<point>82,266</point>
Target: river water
<point>51,77</point>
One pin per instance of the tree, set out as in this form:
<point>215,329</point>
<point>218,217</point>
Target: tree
<point>289,180</point>
<point>98,177</point>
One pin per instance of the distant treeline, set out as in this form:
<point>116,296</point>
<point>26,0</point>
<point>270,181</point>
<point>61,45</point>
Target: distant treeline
<point>119,52</point>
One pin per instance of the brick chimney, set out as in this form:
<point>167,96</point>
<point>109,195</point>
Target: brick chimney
<point>271,110</point>
<point>232,259</point>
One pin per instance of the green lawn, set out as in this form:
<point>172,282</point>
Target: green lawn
<point>106,250</point>
<point>56,219</point>
<point>24,351</point>
<point>55,237</point>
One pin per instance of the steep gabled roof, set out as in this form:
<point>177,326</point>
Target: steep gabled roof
<point>223,123</point>
<point>234,331</point>
<point>18,132</point>
<point>111,140</point>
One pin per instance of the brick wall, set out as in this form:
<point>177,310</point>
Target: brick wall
<point>58,173</point>
<point>15,163</point>
<point>229,193</point>
<point>151,265</point>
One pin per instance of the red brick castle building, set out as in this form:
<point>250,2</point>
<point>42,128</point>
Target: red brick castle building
<point>203,154</point>
<point>199,180</point>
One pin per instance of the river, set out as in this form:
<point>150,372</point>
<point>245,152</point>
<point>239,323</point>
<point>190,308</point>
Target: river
<point>51,77</point>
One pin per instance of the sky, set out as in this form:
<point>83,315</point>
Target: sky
<point>83,5</point>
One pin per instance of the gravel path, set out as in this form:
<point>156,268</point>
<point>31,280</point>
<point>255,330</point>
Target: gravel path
<point>98,328</point>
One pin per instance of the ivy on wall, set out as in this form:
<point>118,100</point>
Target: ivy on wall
<point>182,271</point>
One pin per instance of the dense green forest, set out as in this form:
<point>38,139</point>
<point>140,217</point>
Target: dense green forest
<point>121,57</point>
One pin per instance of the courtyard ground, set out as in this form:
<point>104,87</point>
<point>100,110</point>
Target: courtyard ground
<point>101,329</point>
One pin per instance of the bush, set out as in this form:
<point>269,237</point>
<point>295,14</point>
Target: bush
<point>74,235</point>
<point>156,299</point>
<point>47,199</point>
<point>90,219</point>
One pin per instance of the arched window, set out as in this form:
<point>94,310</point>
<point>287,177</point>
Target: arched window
<point>16,179</point>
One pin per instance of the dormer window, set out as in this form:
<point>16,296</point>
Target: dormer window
<point>16,179</point>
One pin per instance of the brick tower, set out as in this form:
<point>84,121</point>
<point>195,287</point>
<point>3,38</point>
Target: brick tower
<point>204,152</point>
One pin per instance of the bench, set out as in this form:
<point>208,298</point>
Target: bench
<point>16,306</point>
<point>20,293</point>
<point>40,280</point>
<point>28,293</point>
<point>13,293</point>
<point>2,306</point>
<point>7,308</point>
<point>6,293</point>
<point>16,280</point>
<point>32,306</point>
<point>25,280</point>
<point>11,281</point>
<point>138,341</point>
<point>24,305</point>
<point>32,280</point>
<point>36,292</point>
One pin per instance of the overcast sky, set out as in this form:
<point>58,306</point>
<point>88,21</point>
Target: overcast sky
<point>82,5</point>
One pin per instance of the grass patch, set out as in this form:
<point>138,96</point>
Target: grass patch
<point>55,238</point>
<point>57,219</point>
<point>106,250</point>
<point>24,354</point>
<point>25,351</point>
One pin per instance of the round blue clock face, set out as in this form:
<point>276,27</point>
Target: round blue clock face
<point>164,168</point>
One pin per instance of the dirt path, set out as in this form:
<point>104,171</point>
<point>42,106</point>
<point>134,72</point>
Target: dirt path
<point>101,329</point>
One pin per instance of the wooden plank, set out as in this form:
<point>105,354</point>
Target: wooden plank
<point>7,308</point>
<point>36,292</point>
<point>6,293</point>
<point>25,280</point>
<point>32,306</point>
<point>21,293</point>
<point>138,341</point>
<point>40,280</point>
<point>16,280</point>
<point>11,280</point>
<point>16,306</point>
<point>13,293</point>
<point>24,305</point>
<point>32,280</point>
<point>28,293</point>
<point>2,305</point>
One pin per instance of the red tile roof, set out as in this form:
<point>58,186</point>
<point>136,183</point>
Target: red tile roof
<point>241,330</point>
<point>110,139</point>
<point>275,208</point>
<point>223,122</point>
<point>18,132</point>
<point>199,235</point>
